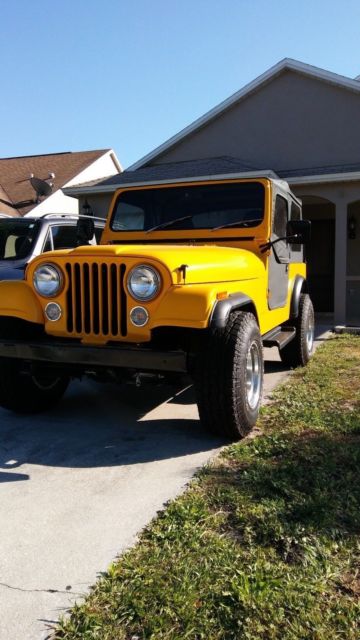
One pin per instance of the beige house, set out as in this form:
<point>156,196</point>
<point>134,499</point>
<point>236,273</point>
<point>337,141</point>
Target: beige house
<point>304,124</point>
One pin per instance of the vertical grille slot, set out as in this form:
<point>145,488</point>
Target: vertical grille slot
<point>96,299</point>
<point>86,299</point>
<point>95,289</point>
<point>77,296</point>
<point>115,300</point>
<point>105,299</point>
<point>70,321</point>
<point>123,302</point>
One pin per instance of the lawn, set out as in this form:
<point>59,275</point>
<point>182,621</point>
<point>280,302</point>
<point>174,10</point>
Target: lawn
<point>265,542</point>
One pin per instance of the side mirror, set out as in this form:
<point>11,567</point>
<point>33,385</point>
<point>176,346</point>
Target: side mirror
<point>300,230</point>
<point>85,229</point>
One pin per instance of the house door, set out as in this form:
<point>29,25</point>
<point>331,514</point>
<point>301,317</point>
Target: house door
<point>320,254</point>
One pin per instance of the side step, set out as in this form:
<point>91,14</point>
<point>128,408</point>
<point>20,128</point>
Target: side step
<point>279,337</point>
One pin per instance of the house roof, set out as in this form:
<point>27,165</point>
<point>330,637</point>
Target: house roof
<point>225,166</point>
<point>222,167</point>
<point>284,65</point>
<point>15,174</point>
<point>4,207</point>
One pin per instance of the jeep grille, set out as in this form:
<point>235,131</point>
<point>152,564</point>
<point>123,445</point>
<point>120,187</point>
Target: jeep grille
<point>96,299</point>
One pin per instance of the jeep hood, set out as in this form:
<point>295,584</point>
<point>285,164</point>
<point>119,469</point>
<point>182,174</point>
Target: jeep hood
<point>204,263</point>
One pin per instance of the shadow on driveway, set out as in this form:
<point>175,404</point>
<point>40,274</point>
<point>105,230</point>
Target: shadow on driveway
<point>101,426</point>
<point>111,425</point>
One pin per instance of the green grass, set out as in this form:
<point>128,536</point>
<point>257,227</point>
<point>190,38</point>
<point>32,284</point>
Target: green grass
<point>265,542</point>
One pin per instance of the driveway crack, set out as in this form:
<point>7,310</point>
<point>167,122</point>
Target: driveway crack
<point>67,590</point>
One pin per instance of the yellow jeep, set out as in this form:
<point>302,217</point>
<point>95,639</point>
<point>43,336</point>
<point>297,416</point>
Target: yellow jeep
<point>190,277</point>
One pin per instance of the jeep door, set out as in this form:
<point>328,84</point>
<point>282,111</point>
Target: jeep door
<point>279,256</point>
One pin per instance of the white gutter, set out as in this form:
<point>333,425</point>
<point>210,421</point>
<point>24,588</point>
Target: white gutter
<point>116,161</point>
<point>75,191</point>
<point>324,178</point>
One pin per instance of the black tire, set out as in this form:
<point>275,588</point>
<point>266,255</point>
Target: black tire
<point>226,404</point>
<point>299,351</point>
<point>22,392</point>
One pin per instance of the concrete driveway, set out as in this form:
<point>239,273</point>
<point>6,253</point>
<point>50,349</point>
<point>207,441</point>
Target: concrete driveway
<point>77,484</point>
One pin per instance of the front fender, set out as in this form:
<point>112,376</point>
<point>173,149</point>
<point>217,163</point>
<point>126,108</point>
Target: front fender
<point>197,306</point>
<point>18,300</point>
<point>223,308</point>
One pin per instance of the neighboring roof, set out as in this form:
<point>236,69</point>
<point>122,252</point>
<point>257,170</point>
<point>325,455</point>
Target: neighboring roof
<point>15,173</point>
<point>224,166</point>
<point>284,65</point>
<point>4,207</point>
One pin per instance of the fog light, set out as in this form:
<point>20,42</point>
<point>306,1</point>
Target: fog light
<point>53,311</point>
<point>139,316</point>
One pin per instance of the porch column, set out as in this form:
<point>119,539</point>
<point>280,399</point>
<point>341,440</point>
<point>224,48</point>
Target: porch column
<point>340,262</point>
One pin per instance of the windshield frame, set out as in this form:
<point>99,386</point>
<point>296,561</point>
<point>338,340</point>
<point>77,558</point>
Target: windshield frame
<point>113,230</point>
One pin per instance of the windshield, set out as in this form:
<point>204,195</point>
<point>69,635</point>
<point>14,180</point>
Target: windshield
<point>208,206</point>
<point>17,238</point>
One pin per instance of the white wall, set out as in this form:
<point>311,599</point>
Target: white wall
<point>105,166</point>
<point>58,202</point>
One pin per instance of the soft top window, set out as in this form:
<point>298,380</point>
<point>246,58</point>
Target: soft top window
<point>189,207</point>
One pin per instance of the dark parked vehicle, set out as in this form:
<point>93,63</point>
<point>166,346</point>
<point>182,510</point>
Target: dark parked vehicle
<point>21,239</point>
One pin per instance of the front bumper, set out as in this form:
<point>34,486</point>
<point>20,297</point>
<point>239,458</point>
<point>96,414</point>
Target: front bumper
<point>84,356</point>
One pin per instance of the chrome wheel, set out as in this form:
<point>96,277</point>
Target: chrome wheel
<point>310,335</point>
<point>253,375</point>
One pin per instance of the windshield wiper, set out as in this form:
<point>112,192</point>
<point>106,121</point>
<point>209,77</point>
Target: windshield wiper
<point>169,223</point>
<point>238,223</point>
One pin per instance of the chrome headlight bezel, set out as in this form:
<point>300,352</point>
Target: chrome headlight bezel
<point>58,280</point>
<point>156,283</point>
<point>145,319</point>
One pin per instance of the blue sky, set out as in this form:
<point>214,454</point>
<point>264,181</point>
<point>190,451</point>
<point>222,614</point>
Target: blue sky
<point>88,74</point>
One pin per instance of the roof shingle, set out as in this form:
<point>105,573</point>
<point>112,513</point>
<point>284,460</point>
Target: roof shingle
<point>174,170</point>
<point>15,173</point>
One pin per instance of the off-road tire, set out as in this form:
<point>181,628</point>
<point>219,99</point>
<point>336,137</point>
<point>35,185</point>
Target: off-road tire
<point>22,392</point>
<point>220,377</point>
<point>298,352</point>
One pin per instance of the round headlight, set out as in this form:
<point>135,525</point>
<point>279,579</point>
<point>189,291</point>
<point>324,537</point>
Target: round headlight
<point>143,282</point>
<point>48,280</point>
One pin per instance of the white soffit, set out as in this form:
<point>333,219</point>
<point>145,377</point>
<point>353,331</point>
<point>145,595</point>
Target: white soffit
<point>285,64</point>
